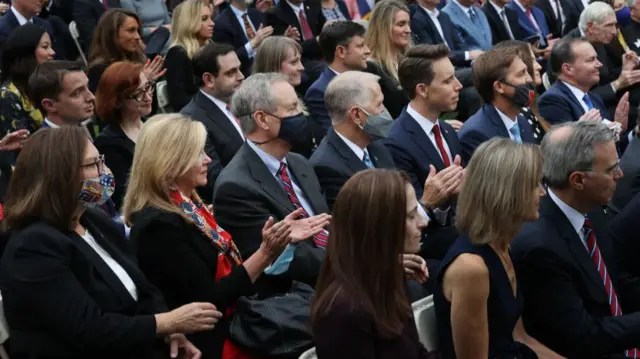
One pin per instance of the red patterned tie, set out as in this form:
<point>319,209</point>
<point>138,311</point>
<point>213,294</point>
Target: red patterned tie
<point>304,24</point>
<point>319,239</point>
<point>596,256</point>
<point>443,152</point>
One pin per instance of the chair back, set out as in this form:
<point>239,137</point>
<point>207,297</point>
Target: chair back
<point>73,29</point>
<point>424,313</point>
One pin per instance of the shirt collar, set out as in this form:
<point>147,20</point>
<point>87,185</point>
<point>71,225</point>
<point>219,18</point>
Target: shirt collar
<point>21,19</point>
<point>50,124</point>
<point>508,123</point>
<point>579,94</point>
<point>334,71</point>
<point>355,148</point>
<point>465,9</point>
<point>238,12</point>
<point>272,163</point>
<point>433,13</point>
<point>520,5</point>
<point>221,105</point>
<point>575,218</point>
<point>296,8</point>
<point>498,9</point>
<point>425,123</point>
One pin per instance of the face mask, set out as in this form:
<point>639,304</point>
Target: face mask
<point>523,95</point>
<point>293,129</point>
<point>97,191</point>
<point>369,128</point>
<point>623,16</point>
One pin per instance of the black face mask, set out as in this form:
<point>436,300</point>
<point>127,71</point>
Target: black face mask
<point>523,95</point>
<point>293,129</point>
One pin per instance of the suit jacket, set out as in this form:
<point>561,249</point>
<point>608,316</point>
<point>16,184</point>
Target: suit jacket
<point>181,82</point>
<point>485,125</point>
<point>230,31</point>
<point>314,99</point>
<point>473,36</point>
<point>223,140</point>
<point>62,300</point>
<point>625,241</point>
<point>572,10</point>
<point>629,185</point>
<point>282,16</point>
<point>9,22</point>
<point>334,163</point>
<point>528,28</point>
<point>554,23</point>
<point>566,306</point>
<point>86,14</point>
<point>631,34</point>
<point>161,237</point>
<point>413,151</point>
<point>247,194</point>
<point>558,104</point>
<point>426,32</point>
<point>499,31</point>
<point>118,150</point>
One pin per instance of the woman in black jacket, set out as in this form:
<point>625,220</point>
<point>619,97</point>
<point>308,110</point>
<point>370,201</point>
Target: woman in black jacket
<point>179,245</point>
<point>69,286</point>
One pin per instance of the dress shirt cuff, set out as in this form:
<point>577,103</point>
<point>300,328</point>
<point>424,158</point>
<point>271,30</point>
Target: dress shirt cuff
<point>251,52</point>
<point>424,214</point>
<point>606,122</point>
<point>613,87</point>
<point>281,264</point>
<point>466,56</point>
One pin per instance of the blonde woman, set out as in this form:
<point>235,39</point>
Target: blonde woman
<point>478,301</point>
<point>179,245</point>
<point>191,28</point>
<point>388,37</point>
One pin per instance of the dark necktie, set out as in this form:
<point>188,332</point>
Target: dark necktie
<point>440,143</point>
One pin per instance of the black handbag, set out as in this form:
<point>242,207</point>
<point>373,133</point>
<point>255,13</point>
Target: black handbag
<point>277,326</point>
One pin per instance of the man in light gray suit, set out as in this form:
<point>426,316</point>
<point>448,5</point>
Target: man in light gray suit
<point>471,23</point>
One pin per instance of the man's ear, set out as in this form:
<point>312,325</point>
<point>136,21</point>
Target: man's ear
<point>48,105</point>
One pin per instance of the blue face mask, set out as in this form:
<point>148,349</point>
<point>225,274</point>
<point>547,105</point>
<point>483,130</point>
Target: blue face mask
<point>623,16</point>
<point>293,129</point>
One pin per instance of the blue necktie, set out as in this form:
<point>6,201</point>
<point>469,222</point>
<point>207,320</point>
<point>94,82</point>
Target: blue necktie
<point>587,100</point>
<point>367,161</point>
<point>515,131</point>
<point>473,17</point>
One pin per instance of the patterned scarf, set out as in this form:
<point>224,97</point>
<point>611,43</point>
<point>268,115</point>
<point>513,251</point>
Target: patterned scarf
<point>203,219</point>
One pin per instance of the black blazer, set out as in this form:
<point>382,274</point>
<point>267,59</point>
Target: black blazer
<point>425,32</point>
<point>181,82</point>
<point>629,185</point>
<point>395,99</point>
<point>566,305</point>
<point>554,23</point>
<point>625,243</point>
<point>86,14</point>
<point>94,74</point>
<point>499,32</point>
<point>181,261</point>
<point>230,31</point>
<point>572,10</point>
<point>62,300</point>
<point>246,194</point>
<point>334,163</point>
<point>282,16</point>
<point>118,150</point>
<point>223,140</point>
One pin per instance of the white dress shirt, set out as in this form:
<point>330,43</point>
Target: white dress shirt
<point>575,218</point>
<point>427,127</point>
<point>508,123</point>
<point>503,17</point>
<point>433,14</point>
<point>251,52</point>
<point>558,12</point>
<point>223,107</point>
<point>113,265</point>
<point>21,19</point>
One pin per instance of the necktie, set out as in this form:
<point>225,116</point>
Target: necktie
<point>247,26</point>
<point>443,152</point>
<point>532,19</point>
<point>104,4</point>
<point>587,101</point>
<point>598,261</point>
<point>473,17</point>
<point>515,131</point>
<point>367,161</point>
<point>319,239</point>
<point>503,15</point>
<point>304,24</point>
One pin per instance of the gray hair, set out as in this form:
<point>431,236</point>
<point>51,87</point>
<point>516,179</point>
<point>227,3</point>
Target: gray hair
<point>564,154</point>
<point>631,4</point>
<point>595,12</point>
<point>255,93</point>
<point>348,89</point>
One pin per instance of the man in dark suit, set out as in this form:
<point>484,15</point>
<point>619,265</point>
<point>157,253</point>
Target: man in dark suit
<point>504,84</point>
<point>266,180</point>
<point>574,301</point>
<point>571,10</point>
<point>503,21</point>
<point>86,14</point>
<point>532,21</point>
<point>554,15</point>
<point>628,186</point>
<point>20,13</point>
<point>344,49</point>
<point>217,68</point>
<point>241,26</point>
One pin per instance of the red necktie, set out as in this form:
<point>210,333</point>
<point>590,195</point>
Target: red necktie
<point>105,4</point>
<point>304,24</point>
<point>443,152</point>
<point>319,239</point>
<point>596,256</point>
<point>532,19</point>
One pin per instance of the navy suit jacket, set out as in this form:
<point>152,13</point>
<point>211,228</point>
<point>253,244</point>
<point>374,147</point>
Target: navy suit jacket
<point>282,16</point>
<point>485,125</point>
<point>474,36</point>
<point>334,163</point>
<point>230,31</point>
<point>499,32</point>
<point>9,22</point>
<point>425,32</point>
<point>314,99</point>
<point>555,24</point>
<point>528,28</point>
<point>558,104</point>
<point>413,151</point>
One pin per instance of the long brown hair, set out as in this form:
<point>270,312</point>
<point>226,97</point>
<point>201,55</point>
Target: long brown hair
<point>366,239</point>
<point>119,80</point>
<point>104,47</point>
<point>47,179</point>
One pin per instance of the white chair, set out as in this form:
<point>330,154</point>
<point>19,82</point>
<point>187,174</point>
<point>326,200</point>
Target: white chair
<point>162,91</point>
<point>545,81</point>
<point>309,354</point>
<point>424,313</point>
<point>73,29</point>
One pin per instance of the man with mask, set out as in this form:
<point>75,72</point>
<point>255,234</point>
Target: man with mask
<point>265,180</point>
<point>217,70</point>
<point>504,84</point>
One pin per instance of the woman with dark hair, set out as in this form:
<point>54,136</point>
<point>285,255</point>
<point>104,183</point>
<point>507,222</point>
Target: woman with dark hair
<point>118,38</point>
<point>123,98</point>
<point>27,47</point>
<point>68,286</point>
<point>361,308</point>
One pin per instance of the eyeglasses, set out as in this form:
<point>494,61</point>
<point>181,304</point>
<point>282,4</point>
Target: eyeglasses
<point>99,164</point>
<point>138,95</point>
